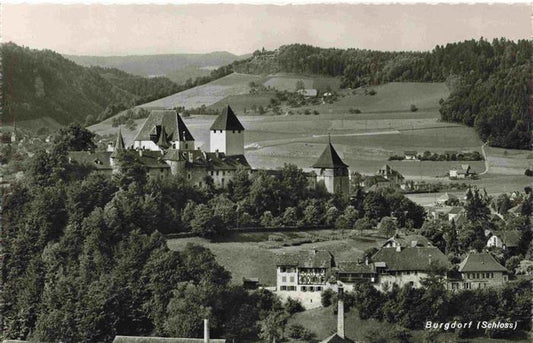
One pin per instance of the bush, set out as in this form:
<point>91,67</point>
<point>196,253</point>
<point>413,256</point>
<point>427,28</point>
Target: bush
<point>354,111</point>
<point>297,331</point>
<point>293,306</point>
<point>372,92</point>
<point>315,112</point>
<point>413,108</point>
<point>528,172</point>
<point>326,297</point>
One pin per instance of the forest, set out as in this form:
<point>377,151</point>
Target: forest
<point>489,81</point>
<point>42,83</point>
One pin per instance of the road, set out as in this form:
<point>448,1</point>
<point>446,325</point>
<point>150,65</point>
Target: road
<point>485,158</point>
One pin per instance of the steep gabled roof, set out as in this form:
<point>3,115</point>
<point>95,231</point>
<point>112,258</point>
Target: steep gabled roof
<point>170,120</point>
<point>329,159</point>
<point>227,120</point>
<point>411,259</point>
<point>482,262</point>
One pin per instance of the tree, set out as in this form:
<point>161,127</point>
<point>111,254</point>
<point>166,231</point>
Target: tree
<point>205,223</point>
<point>387,226</point>
<point>375,206</point>
<point>272,327</point>
<point>74,138</point>
<point>476,207</point>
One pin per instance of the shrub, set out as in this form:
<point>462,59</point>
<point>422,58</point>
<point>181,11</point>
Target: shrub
<point>315,112</point>
<point>326,297</point>
<point>297,331</point>
<point>354,111</point>
<point>413,108</point>
<point>293,306</point>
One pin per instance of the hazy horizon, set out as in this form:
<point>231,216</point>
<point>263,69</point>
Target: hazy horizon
<point>120,30</point>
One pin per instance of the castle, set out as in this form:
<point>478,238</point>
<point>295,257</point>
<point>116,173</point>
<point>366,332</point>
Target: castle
<point>164,145</point>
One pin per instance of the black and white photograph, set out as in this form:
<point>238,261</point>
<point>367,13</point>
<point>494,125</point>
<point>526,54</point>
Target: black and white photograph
<point>266,172</point>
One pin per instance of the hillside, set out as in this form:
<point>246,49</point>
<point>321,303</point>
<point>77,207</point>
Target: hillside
<point>488,80</point>
<point>176,67</point>
<point>42,83</point>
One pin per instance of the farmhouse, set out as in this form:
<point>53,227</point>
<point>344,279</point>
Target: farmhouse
<point>507,240</point>
<point>479,270</point>
<point>410,155</point>
<point>410,265</point>
<point>332,172</point>
<point>461,173</point>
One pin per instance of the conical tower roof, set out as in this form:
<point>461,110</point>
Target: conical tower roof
<point>119,142</point>
<point>329,159</point>
<point>227,120</point>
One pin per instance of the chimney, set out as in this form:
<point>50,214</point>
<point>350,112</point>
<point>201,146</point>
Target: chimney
<point>206,330</point>
<point>340,312</point>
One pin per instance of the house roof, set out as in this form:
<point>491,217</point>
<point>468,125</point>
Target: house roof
<point>481,262</point>
<point>307,259</point>
<point>456,210</point>
<point>407,259</point>
<point>387,170</point>
<point>138,339</point>
<point>227,120</point>
<point>98,159</point>
<point>409,241</point>
<point>170,120</point>
<point>335,338</point>
<point>355,267</point>
<point>511,238</point>
<point>329,159</point>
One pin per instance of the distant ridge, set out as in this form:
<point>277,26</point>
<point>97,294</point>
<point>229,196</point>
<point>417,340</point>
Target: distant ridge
<point>159,65</point>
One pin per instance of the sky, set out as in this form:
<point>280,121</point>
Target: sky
<point>107,30</point>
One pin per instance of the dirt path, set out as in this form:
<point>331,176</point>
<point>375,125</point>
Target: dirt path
<point>485,158</point>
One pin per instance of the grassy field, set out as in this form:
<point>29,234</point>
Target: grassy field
<point>261,253</point>
<point>322,322</point>
<point>207,94</point>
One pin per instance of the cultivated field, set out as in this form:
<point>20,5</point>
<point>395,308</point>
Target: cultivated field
<point>261,253</point>
<point>285,81</point>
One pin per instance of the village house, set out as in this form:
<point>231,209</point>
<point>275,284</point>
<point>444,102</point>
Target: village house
<point>303,275</point>
<point>407,265</point>
<point>407,241</point>
<point>410,155</point>
<point>390,174</point>
<point>479,270</point>
<point>308,93</point>
<point>461,173</point>
<point>507,240</point>
<point>332,172</point>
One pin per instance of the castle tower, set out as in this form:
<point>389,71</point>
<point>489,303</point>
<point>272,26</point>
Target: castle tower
<point>332,171</point>
<point>227,134</point>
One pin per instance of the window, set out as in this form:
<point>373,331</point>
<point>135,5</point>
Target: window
<point>291,288</point>
<point>319,289</point>
<point>304,289</point>
<point>217,172</point>
<point>186,145</point>
<point>189,176</point>
<point>291,279</point>
<point>283,279</point>
<point>311,289</point>
<point>283,288</point>
<point>282,269</point>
